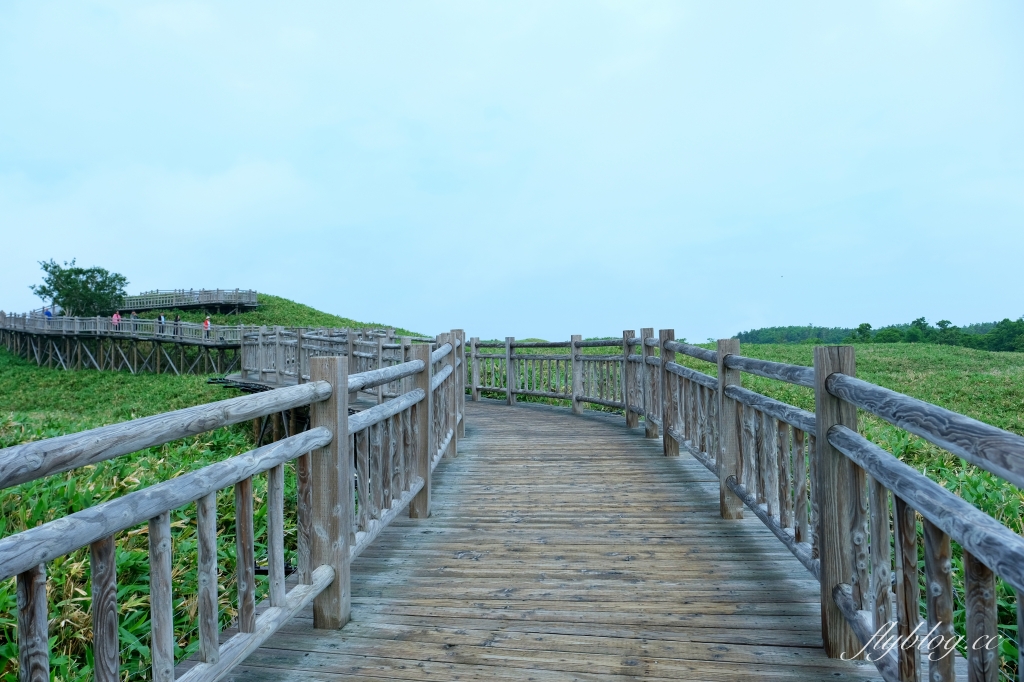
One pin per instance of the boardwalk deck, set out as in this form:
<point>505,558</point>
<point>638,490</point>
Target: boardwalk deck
<point>567,548</point>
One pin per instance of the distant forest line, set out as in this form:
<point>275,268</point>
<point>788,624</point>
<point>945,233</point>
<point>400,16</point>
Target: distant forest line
<point>1007,335</point>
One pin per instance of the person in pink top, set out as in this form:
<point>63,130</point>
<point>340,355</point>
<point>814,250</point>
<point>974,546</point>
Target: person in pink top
<point>115,319</point>
<point>206,327</point>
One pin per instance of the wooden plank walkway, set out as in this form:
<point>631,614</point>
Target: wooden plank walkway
<point>567,548</point>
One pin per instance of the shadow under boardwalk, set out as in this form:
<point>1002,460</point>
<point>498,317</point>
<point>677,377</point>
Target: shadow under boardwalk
<point>566,548</point>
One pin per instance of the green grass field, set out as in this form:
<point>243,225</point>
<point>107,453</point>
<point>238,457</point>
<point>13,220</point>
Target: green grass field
<point>38,403</point>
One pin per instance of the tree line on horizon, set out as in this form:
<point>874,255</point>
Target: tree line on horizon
<point>1006,335</point>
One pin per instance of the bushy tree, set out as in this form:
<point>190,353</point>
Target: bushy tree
<point>80,291</point>
<point>888,335</point>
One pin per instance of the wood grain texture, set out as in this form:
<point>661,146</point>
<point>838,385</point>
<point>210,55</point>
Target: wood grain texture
<point>982,635</point>
<point>938,570</point>
<point>988,540</point>
<point>33,626</point>
<point>161,602</point>
<point>884,659</point>
<point>794,416</point>
<point>577,375</point>
<point>503,582</point>
<point>908,591</point>
<point>333,494</point>
<point>652,403</point>
<point>105,638</point>
<point>245,560</point>
<point>206,575</point>
<point>693,351</point>
<point>422,431</point>
<point>835,485</point>
<point>881,554</point>
<point>34,460</point>
<point>791,374</point>
<point>692,375</point>
<point>275,535</point>
<point>729,431</point>
<point>983,445</point>
<point>669,394</point>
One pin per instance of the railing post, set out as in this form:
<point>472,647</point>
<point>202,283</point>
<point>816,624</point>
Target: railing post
<point>459,385</point>
<point>278,357</point>
<point>837,495</point>
<point>510,375</point>
<point>577,373</point>
<point>350,346</point>
<point>650,428</point>
<point>475,376</point>
<point>669,398</point>
<point>380,365</point>
<point>628,379</point>
<point>259,354</point>
<point>298,355</point>
<point>333,495</point>
<point>729,460</point>
<point>33,626</point>
<point>422,429</point>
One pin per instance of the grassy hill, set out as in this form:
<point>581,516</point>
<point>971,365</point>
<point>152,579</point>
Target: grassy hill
<point>274,310</point>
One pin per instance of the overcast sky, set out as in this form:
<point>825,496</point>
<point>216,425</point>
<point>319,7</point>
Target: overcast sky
<point>526,168</point>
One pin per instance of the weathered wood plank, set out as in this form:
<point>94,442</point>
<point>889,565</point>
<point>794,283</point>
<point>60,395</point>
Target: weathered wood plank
<point>161,603</point>
<point>33,630</point>
<point>105,637</point>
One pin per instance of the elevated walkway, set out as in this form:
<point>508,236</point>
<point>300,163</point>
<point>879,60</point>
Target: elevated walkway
<point>566,547</point>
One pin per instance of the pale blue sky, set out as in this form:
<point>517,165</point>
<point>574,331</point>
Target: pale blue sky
<point>526,168</point>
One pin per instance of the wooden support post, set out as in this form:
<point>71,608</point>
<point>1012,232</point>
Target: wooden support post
<point>628,379</point>
<point>380,365</point>
<point>510,373</point>
<point>577,373</point>
<point>333,495</point>
<point>105,638</point>
<point>475,377</point>
<point>729,460</point>
<point>245,561</point>
<point>209,628</point>
<point>298,355</point>
<point>278,357</point>
<point>33,631</point>
<point>260,376</point>
<point>651,407</point>
<point>161,604</point>
<point>422,429</point>
<point>836,493</point>
<point>350,348</point>
<point>459,386</point>
<point>669,398</point>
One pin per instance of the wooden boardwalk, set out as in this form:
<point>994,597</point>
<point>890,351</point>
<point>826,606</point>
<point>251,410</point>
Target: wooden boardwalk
<point>566,547</point>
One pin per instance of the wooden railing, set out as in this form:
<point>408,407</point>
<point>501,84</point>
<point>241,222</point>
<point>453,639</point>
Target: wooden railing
<point>278,355</point>
<point>388,451</point>
<point>127,328</point>
<point>847,509</point>
<point>191,298</point>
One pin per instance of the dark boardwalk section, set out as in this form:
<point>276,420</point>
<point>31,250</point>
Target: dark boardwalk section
<point>567,548</point>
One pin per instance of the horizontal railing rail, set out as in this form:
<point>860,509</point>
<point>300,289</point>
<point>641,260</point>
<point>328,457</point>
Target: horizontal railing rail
<point>354,475</point>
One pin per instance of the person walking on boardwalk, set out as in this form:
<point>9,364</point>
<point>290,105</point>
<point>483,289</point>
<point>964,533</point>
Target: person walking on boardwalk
<point>160,320</point>
<point>206,327</point>
<point>115,320</point>
<point>177,325</point>
<point>133,317</point>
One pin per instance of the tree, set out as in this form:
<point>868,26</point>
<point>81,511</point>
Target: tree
<point>862,333</point>
<point>889,335</point>
<point>81,292</point>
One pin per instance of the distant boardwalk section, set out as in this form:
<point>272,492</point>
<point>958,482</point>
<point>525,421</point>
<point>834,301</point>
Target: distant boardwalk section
<point>223,300</point>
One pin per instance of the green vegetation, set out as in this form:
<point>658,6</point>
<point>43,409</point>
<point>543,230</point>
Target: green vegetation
<point>274,310</point>
<point>1007,335</point>
<point>80,291</point>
